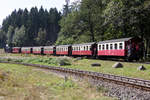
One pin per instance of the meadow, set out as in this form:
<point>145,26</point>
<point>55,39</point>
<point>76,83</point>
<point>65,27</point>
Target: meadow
<point>18,82</point>
<point>129,69</point>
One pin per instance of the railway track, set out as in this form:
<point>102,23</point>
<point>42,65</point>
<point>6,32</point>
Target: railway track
<point>141,84</point>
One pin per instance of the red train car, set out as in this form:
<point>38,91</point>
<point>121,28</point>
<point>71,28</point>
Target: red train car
<point>16,49</point>
<point>64,50</point>
<point>37,50</point>
<point>86,49</point>
<point>49,50</point>
<point>26,50</point>
<point>125,47</point>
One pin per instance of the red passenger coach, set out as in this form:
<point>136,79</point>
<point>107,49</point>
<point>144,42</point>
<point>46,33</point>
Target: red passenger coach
<point>26,50</point>
<point>63,50</point>
<point>16,50</point>
<point>86,49</point>
<point>37,50</point>
<point>125,47</point>
<point>49,50</point>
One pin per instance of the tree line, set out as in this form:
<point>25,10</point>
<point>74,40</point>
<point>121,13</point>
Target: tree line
<point>30,28</point>
<point>80,22</point>
<point>98,20</point>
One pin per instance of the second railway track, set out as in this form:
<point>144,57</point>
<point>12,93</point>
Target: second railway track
<point>141,84</point>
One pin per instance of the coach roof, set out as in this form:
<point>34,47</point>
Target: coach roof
<point>63,45</point>
<point>84,44</point>
<point>115,40</point>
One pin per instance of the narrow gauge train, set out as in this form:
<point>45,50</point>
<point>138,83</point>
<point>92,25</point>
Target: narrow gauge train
<point>127,48</point>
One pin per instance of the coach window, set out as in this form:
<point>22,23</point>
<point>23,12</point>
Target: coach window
<point>115,45</point>
<point>111,46</point>
<point>107,46</point>
<point>87,48</point>
<point>103,47</point>
<point>99,47</point>
<point>120,46</point>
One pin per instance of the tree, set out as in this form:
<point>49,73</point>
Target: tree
<point>33,20</point>
<point>66,8</point>
<point>2,38</point>
<point>19,38</point>
<point>41,39</point>
<point>10,34</point>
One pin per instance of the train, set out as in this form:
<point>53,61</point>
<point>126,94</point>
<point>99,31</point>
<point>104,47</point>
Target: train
<point>127,48</point>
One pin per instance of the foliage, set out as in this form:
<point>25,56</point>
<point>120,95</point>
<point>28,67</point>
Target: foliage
<point>41,38</point>
<point>19,37</point>
<point>10,34</point>
<point>2,38</point>
<point>81,22</point>
<point>96,20</point>
<point>33,24</point>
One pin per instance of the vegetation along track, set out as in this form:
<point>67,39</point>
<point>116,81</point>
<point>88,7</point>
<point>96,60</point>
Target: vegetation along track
<point>143,85</point>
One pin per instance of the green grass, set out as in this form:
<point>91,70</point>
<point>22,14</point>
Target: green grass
<point>18,82</point>
<point>129,69</point>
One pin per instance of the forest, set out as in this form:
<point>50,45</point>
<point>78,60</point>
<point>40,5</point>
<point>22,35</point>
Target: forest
<point>79,22</point>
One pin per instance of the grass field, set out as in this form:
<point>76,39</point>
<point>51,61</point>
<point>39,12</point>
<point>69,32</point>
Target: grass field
<point>129,69</point>
<point>1,51</point>
<point>18,82</point>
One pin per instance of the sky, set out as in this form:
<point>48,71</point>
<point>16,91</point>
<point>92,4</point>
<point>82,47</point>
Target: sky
<point>7,6</point>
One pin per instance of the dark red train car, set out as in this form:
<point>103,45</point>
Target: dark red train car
<point>26,50</point>
<point>64,50</point>
<point>125,47</point>
<point>49,50</point>
<point>37,50</point>
<point>16,49</point>
<point>86,49</point>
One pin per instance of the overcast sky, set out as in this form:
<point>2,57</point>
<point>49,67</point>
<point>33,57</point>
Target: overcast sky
<point>7,6</point>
